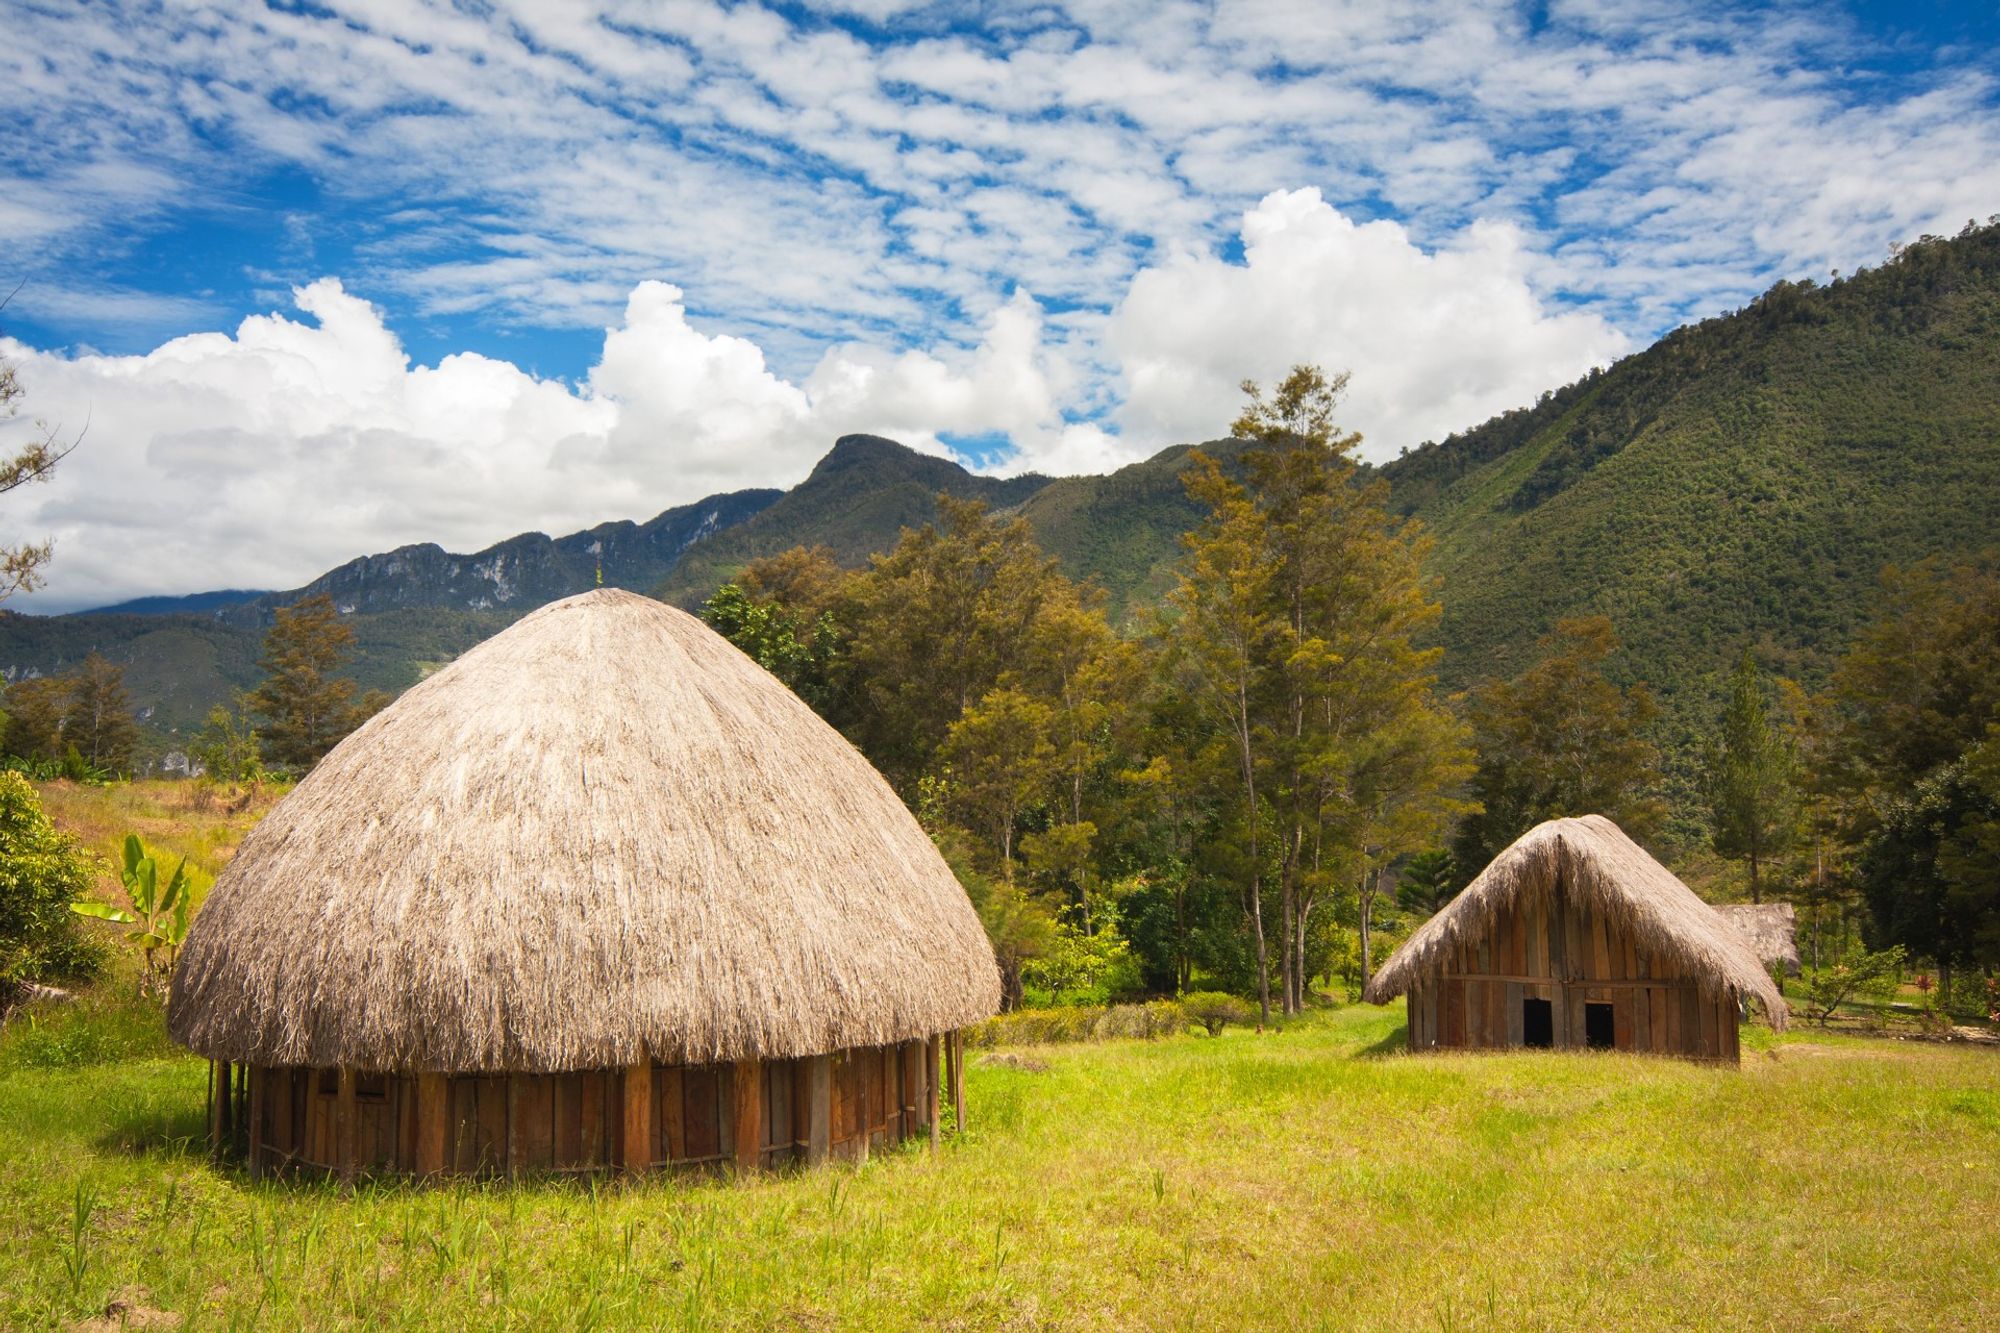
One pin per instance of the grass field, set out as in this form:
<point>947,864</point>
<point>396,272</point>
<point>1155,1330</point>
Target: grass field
<point>1308,1179</point>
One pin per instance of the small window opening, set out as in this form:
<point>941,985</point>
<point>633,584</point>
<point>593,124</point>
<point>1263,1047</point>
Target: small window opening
<point>1599,1031</point>
<point>371,1087</point>
<point>329,1082</point>
<point>1538,1024</point>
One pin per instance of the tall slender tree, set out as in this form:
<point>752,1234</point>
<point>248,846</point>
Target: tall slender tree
<point>1748,779</point>
<point>308,708</point>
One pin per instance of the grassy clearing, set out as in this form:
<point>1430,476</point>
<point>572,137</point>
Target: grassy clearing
<point>1308,1179</point>
<point>174,818</point>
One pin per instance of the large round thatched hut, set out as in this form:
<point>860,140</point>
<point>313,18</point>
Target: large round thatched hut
<point>1575,937</point>
<point>601,893</point>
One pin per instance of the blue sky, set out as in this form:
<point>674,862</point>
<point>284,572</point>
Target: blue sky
<point>533,265</point>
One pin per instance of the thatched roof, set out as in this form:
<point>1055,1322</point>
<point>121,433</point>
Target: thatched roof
<point>1772,930</point>
<point>602,832</point>
<point>1597,864</point>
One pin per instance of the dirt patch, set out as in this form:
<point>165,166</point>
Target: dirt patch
<point>1007,1060</point>
<point>129,1308</point>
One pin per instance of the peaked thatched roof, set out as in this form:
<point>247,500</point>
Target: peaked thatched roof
<point>602,832</point>
<point>1597,864</point>
<point>1771,929</point>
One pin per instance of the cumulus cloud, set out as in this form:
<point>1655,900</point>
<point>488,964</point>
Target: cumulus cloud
<point>262,457</point>
<point>1435,340</point>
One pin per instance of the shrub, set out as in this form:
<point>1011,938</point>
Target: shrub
<point>1859,976</point>
<point>1075,1023</point>
<point>1216,1011</point>
<point>42,871</point>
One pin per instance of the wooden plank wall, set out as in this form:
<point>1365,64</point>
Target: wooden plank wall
<point>497,1124</point>
<point>1475,1000</point>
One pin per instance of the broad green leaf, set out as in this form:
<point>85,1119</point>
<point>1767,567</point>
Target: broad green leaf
<point>102,911</point>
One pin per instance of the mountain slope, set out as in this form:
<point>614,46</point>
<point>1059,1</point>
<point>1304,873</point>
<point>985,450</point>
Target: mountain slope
<point>1739,484</point>
<point>856,501</point>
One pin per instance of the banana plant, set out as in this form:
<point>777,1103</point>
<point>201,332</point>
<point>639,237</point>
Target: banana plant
<point>159,912</point>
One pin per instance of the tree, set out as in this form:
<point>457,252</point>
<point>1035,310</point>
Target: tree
<point>999,758</point>
<point>1561,739</point>
<point>98,719</point>
<point>1919,693</point>
<point>227,747</point>
<point>36,710</point>
<point>1219,642</point>
<point>934,626</point>
<point>21,566</point>
<point>1300,605</point>
<point>1748,780</point>
<point>307,708</point>
<point>42,871</point>
<point>1427,881</point>
<point>798,649</point>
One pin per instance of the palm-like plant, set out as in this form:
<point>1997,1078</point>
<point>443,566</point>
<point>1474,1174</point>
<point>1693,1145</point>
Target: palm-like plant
<point>159,913</point>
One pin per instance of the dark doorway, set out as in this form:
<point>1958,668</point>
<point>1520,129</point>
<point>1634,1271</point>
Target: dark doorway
<point>1599,1031</point>
<point>1538,1024</point>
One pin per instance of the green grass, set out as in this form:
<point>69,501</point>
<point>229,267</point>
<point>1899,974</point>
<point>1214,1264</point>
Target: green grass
<point>1306,1179</point>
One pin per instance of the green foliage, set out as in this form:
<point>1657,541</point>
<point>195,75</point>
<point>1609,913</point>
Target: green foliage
<point>1214,1011</point>
<point>42,871</point>
<point>163,911</point>
<point>1079,1023</point>
<point>1859,975</point>
<point>1078,968</point>
<point>1738,484</point>
<point>1428,881</point>
<point>1753,805</point>
<point>99,719</point>
<point>227,747</point>
<point>799,649</point>
<point>1561,739</point>
<point>308,708</point>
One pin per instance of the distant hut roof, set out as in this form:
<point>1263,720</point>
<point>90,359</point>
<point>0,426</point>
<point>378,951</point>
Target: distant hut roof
<point>1772,930</point>
<point>1597,864</point>
<point>604,831</point>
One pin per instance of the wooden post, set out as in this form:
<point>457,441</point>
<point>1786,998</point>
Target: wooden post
<point>433,1116</point>
<point>256,1118</point>
<point>958,1081</point>
<point>516,1150</point>
<point>749,1086</point>
<point>931,1086</point>
<point>343,1124</point>
<point>639,1117</point>
<point>819,1109</point>
<point>218,1100</point>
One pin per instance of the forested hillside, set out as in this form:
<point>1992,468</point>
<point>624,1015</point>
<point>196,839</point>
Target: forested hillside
<point>1741,483</point>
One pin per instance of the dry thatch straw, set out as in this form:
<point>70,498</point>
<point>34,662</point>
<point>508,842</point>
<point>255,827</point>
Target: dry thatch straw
<point>1771,930</point>
<point>1593,862</point>
<point>601,833</point>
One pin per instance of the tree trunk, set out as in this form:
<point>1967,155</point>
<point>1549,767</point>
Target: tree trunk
<point>1756,888</point>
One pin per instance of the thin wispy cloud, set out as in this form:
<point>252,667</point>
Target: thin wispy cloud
<point>908,193</point>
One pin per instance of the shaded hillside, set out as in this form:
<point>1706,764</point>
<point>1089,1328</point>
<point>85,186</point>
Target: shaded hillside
<point>1740,483</point>
<point>858,498</point>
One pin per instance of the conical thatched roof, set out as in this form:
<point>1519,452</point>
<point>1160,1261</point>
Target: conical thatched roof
<point>1596,864</point>
<point>602,832</point>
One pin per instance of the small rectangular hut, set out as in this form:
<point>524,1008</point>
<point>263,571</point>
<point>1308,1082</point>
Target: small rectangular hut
<point>1575,938</point>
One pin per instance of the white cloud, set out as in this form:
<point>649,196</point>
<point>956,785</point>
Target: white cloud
<point>261,458</point>
<point>1435,340</point>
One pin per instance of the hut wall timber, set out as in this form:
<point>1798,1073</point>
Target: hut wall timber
<point>1575,938</point>
<point>734,1116</point>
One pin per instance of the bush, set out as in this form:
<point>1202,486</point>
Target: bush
<point>1856,977</point>
<point>42,872</point>
<point>1075,1023</point>
<point>1216,1011</point>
